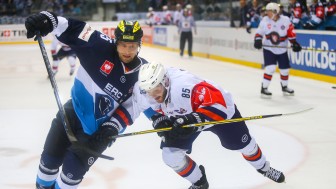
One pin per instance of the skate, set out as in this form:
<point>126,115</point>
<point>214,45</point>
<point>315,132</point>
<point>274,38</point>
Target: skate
<point>72,71</point>
<point>202,183</point>
<point>265,93</point>
<point>287,91</point>
<point>271,173</point>
<point>38,186</point>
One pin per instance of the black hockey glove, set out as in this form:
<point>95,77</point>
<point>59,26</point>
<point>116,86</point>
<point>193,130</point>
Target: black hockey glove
<point>43,22</point>
<point>248,29</point>
<point>160,121</point>
<point>101,139</point>
<point>178,132</point>
<point>296,47</point>
<point>257,43</point>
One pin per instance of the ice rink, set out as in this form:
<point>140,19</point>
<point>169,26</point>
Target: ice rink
<point>301,145</point>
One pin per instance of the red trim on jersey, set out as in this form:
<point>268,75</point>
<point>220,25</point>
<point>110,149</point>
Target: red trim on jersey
<point>206,95</point>
<point>290,32</point>
<point>257,36</point>
<point>208,113</point>
<point>123,116</point>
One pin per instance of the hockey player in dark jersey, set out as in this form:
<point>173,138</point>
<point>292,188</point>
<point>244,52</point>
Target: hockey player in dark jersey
<point>105,78</point>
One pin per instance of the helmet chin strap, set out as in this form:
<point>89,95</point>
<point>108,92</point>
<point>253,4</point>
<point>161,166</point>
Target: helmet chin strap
<point>274,16</point>
<point>166,85</point>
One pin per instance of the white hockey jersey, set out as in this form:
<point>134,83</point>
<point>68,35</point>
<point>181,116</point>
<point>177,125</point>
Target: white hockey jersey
<point>277,33</point>
<point>187,93</point>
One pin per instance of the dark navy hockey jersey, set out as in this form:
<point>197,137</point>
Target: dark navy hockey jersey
<point>102,82</point>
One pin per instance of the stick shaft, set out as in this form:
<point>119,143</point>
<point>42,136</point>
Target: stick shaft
<point>200,125</point>
<point>71,136</point>
<point>211,123</point>
<point>65,121</point>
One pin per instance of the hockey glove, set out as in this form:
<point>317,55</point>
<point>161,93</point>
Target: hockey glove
<point>160,121</point>
<point>43,22</point>
<point>296,47</point>
<point>178,132</point>
<point>248,29</point>
<point>102,138</point>
<point>257,43</point>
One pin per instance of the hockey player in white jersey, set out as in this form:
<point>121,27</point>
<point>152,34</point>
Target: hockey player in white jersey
<point>278,30</point>
<point>181,98</point>
<point>59,53</point>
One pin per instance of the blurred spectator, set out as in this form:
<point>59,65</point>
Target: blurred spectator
<point>212,10</point>
<point>316,11</point>
<point>297,13</point>
<point>74,9</point>
<point>253,16</point>
<point>283,12</point>
<point>331,8</point>
<point>189,8</point>
<point>150,17</point>
<point>52,6</point>
<point>177,14</point>
<point>167,17</point>
<point>243,13</point>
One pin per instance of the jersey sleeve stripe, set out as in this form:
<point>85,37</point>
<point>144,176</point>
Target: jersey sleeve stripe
<point>212,113</point>
<point>123,116</point>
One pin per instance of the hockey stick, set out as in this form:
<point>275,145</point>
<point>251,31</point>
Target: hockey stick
<point>211,123</point>
<point>75,144</point>
<point>303,48</point>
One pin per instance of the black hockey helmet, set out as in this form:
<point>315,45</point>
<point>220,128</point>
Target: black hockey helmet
<point>128,31</point>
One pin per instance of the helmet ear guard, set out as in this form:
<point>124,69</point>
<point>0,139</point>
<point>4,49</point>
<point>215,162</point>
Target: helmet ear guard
<point>128,31</point>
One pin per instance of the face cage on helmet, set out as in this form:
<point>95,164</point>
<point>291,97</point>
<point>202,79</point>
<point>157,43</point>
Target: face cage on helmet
<point>165,84</point>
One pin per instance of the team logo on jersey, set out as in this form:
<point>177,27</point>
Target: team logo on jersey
<point>269,26</point>
<point>122,79</point>
<point>181,111</point>
<point>275,38</point>
<point>104,105</point>
<point>282,27</point>
<point>107,67</point>
<point>86,33</point>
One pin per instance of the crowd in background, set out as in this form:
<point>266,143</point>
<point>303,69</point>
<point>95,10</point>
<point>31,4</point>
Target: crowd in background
<point>319,14</point>
<point>16,11</point>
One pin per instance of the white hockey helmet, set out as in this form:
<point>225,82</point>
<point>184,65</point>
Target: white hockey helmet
<point>273,7</point>
<point>151,75</point>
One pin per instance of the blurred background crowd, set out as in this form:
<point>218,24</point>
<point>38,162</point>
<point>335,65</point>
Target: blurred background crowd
<point>304,14</point>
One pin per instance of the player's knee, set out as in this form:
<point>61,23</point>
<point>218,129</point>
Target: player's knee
<point>50,162</point>
<point>173,157</point>
<point>270,69</point>
<point>250,148</point>
<point>284,71</point>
